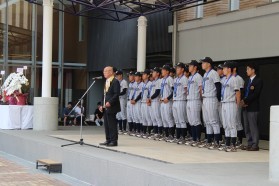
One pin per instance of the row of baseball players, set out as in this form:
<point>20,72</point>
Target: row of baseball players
<point>156,105</point>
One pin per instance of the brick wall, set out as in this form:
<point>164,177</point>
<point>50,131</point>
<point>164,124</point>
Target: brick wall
<point>247,4</point>
<point>213,9</point>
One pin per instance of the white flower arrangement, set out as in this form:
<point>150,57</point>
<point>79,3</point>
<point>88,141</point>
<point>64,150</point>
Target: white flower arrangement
<point>14,82</point>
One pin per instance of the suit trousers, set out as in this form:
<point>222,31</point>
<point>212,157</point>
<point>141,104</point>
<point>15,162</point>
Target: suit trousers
<point>110,124</point>
<point>251,128</point>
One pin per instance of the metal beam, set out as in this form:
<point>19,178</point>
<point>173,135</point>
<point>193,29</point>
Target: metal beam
<point>120,10</point>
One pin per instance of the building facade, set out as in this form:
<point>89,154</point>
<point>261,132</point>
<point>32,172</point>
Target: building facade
<point>21,25</point>
<point>241,30</point>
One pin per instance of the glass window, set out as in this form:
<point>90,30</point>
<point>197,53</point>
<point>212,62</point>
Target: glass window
<point>234,5</point>
<point>199,10</point>
<point>2,29</point>
<point>19,30</point>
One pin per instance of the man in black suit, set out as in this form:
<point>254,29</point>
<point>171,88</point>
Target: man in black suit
<point>250,102</point>
<point>111,107</point>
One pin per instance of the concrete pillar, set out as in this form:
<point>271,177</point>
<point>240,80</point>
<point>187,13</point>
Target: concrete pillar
<point>45,114</point>
<point>47,47</point>
<point>46,107</point>
<point>141,57</point>
<point>273,144</point>
<point>174,38</point>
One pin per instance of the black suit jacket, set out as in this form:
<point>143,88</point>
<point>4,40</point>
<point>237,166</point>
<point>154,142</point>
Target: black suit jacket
<point>112,96</point>
<point>252,100</point>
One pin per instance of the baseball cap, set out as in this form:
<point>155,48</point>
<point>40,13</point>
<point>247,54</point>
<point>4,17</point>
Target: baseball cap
<point>194,63</point>
<point>207,60</point>
<point>228,64</point>
<point>138,74</point>
<point>118,72</point>
<point>146,71</point>
<point>131,73</point>
<point>172,69</point>
<point>166,67</point>
<point>157,69</point>
<point>220,66</point>
<point>186,68</point>
<point>169,64</point>
<point>181,65</point>
<point>235,64</point>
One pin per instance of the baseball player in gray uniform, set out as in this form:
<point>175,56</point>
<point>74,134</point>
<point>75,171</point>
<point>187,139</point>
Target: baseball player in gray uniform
<point>122,115</point>
<point>129,105</point>
<point>154,101</point>
<point>166,103</point>
<point>179,102</point>
<point>230,98</point>
<point>194,92</point>
<point>211,93</point>
<point>221,75</point>
<point>188,136</point>
<point>145,106</point>
<point>239,126</point>
<point>136,104</point>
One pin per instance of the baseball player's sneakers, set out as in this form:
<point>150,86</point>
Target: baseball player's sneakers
<point>159,137</point>
<point>152,137</point>
<point>223,148</point>
<point>173,140</point>
<point>196,144</point>
<point>170,139</point>
<point>214,147</point>
<point>203,145</point>
<point>120,132</point>
<point>134,134</point>
<point>163,138</point>
<point>181,141</point>
<point>189,143</point>
<point>239,146</point>
<point>146,136</point>
<point>231,149</point>
<point>189,138</point>
<point>126,133</point>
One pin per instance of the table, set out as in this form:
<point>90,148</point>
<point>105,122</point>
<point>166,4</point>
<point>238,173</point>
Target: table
<point>16,117</point>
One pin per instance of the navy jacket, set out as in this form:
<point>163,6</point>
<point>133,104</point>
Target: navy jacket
<point>112,96</point>
<point>252,100</point>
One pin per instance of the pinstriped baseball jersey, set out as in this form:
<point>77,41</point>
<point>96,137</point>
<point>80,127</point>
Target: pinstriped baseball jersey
<point>240,81</point>
<point>137,90</point>
<point>123,85</point>
<point>145,91</point>
<point>130,90</point>
<point>180,83</point>
<point>193,87</point>
<point>208,85</point>
<point>166,87</point>
<point>156,84</point>
<point>229,86</point>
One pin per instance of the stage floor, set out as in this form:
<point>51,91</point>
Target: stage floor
<point>159,163</point>
<point>169,152</point>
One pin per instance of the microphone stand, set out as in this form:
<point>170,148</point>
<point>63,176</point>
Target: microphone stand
<point>81,142</point>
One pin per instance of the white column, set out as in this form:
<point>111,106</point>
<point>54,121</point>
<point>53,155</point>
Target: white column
<point>141,57</point>
<point>47,47</point>
<point>273,144</point>
<point>45,115</point>
<point>174,38</point>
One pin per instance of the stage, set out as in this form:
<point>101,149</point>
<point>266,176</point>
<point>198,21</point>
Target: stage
<point>137,161</point>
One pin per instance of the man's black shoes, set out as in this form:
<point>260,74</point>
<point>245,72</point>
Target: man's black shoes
<point>105,143</point>
<point>112,144</point>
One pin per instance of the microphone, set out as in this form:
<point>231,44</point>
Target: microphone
<point>95,78</point>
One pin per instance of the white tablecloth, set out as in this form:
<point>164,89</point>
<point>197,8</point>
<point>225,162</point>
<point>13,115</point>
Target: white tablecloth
<point>16,117</point>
